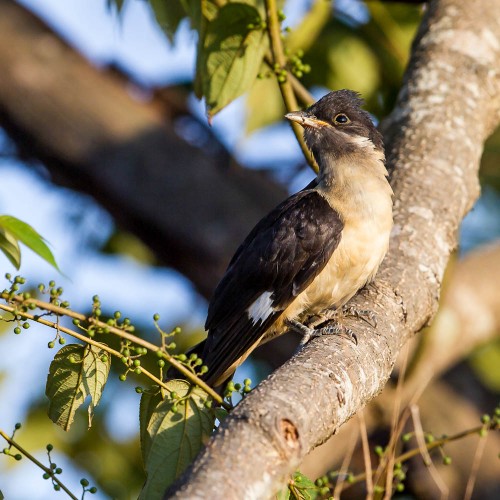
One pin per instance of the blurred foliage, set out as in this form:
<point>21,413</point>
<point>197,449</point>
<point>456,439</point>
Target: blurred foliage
<point>367,51</point>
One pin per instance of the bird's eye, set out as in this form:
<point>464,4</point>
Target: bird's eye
<point>341,119</point>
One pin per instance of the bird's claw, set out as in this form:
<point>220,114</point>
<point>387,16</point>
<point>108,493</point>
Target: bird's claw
<point>309,333</point>
<point>364,314</point>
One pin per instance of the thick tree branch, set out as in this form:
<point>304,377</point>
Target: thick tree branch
<point>449,104</point>
<point>93,136</point>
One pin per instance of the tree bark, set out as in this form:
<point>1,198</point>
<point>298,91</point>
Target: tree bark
<point>449,104</point>
<point>191,205</point>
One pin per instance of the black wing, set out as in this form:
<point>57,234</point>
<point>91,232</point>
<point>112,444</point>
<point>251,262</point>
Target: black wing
<point>279,258</point>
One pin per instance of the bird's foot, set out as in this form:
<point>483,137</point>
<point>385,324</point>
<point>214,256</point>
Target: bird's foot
<point>309,333</point>
<point>364,314</point>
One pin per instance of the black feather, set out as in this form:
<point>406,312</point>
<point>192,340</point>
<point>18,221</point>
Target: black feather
<point>282,254</point>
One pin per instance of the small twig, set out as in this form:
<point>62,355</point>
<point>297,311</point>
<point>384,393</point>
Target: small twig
<point>404,457</point>
<point>366,454</point>
<point>344,466</point>
<point>117,331</point>
<point>395,432</point>
<point>287,92</point>
<point>419,435</point>
<point>475,468</point>
<point>29,456</point>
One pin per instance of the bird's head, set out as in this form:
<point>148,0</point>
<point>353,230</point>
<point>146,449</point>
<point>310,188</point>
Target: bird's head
<point>336,126</point>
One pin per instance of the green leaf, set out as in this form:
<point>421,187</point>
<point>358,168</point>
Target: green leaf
<point>258,116</point>
<point>76,372</point>
<point>302,488</point>
<point>149,401</point>
<point>168,15</point>
<point>175,438</point>
<point>230,55</point>
<point>10,247</point>
<point>117,4</point>
<point>26,234</point>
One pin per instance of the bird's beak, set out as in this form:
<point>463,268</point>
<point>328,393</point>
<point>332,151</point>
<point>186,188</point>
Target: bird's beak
<point>306,119</point>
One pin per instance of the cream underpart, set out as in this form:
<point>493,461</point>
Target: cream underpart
<point>356,187</point>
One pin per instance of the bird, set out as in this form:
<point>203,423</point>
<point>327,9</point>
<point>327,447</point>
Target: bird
<point>315,250</point>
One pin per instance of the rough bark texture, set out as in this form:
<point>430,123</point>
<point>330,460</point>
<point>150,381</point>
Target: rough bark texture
<point>449,104</point>
<point>468,316</point>
<point>191,205</point>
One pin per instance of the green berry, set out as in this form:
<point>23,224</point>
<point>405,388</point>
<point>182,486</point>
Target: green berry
<point>447,460</point>
<point>76,322</point>
<point>485,419</point>
<point>41,287</point>
<point>52,283</point>
<point>182,357</point>
<point>95,298</point>
<point>137,362</point>
<point>104,358</point>
<point>56,487</point>
<point>18,456</point>
<point>18,426</point>
<point>138,390</point>
<point>138,371</point>
<point>156,317</point>
<point>177,329</point>
<point>97,312</point>
<point>53,466</point>
<point>62,340</point>
<point>51,345</point>
<point>8,276</point>
<point>59,470</point>
<point>49,447</point>
<point>46,475</point>
<point>400,487</point>
<point>26,325</point>
<point>247,381</point>
<point>123,377</point>
<point>93,490</point>
<point>17,330</point>
<point>84,482</point>
<point>161,363</point>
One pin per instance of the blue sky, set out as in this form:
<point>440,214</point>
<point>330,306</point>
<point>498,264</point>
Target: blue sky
<point>136,42</point>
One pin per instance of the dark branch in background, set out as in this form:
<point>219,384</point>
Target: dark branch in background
<point>448,106</point>
<point>191,205</point>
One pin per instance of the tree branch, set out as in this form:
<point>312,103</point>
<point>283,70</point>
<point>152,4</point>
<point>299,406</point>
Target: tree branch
<point>93,136</point>
<point>449,104</point>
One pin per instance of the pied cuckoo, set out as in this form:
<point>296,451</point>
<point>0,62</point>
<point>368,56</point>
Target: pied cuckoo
<point>316,249</point>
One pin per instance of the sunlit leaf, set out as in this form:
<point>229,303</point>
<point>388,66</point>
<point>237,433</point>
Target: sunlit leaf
<point>76,372</point>
<point>117,4</point>
<point>149,401</point>
<point>302,488</point>
<point>264,90</point>
<point>10,247</point>
<point>26,234</point>
<point>231,55</point>
<point>175,438</point>
<point>168,15</point>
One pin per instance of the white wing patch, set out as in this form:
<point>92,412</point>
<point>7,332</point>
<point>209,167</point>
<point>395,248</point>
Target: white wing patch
<point>261,309</point>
